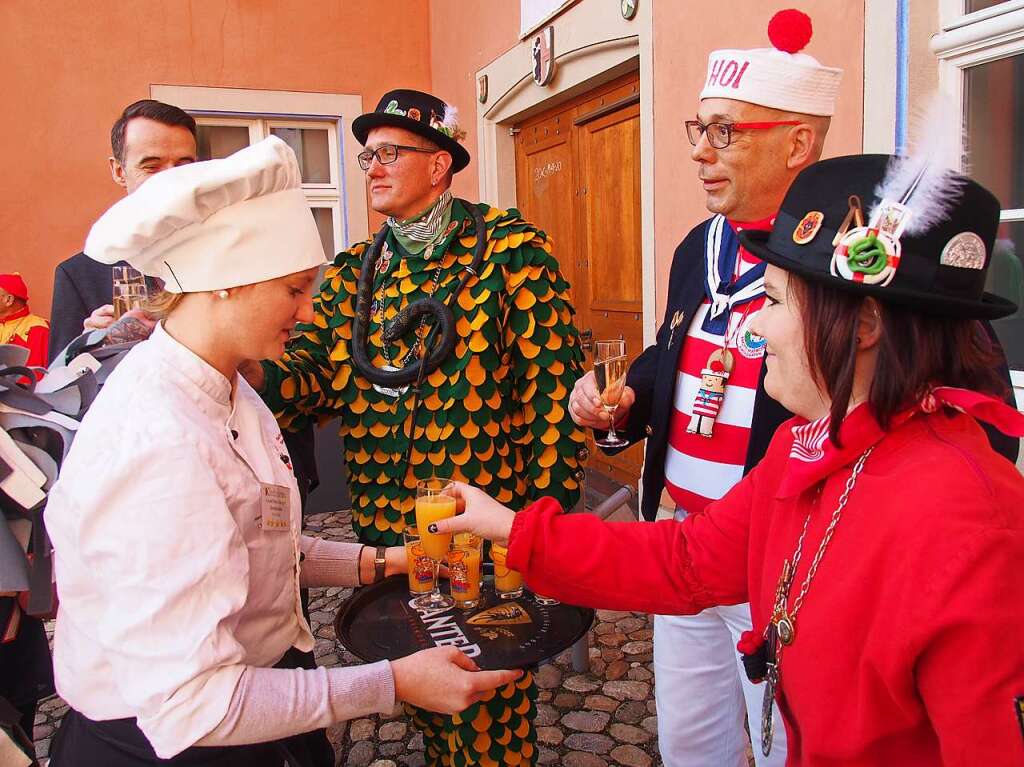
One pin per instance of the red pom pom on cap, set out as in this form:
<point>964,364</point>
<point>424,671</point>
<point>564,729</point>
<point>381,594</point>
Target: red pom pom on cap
<point>790,30</point>
<point>717,366</point>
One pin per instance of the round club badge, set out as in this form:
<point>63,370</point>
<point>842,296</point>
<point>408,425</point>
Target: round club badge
<point>965,250</point>
<point>808,227</point>
<point>749,343</point>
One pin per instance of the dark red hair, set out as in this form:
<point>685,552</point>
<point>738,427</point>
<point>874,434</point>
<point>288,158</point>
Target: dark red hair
<point>915,351</point>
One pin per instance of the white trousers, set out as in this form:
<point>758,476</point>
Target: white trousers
<point>703,693</point>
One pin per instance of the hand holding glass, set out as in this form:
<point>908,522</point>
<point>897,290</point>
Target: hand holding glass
<point>610,368</point>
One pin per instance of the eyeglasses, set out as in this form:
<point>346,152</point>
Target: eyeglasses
<point>387,154</point>
<point>720,134</point>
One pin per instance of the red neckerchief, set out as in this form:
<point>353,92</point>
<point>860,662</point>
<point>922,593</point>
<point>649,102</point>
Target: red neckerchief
<point>761,225</point>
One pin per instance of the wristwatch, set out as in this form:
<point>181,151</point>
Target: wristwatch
<point>378,564</point>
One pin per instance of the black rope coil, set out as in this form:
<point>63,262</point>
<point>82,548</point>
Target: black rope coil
<point>408,318</point>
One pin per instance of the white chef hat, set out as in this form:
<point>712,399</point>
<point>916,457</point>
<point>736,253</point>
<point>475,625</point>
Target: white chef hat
<point>215,224</point>
<point>779,77</point>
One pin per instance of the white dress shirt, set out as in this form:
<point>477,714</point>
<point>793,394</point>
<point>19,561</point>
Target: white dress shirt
<point>169,585</point>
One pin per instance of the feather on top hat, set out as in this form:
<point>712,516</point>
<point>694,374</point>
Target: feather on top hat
<point>421,113</point>
<point>923,238</point>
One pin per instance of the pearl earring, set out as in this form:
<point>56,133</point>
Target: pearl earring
<point>222,294</point>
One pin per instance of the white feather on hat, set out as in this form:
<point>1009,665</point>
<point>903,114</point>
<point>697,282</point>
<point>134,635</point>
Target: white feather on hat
<point>215,224</point>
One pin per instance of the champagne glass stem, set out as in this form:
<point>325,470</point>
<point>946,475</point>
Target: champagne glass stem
<point>612,436</point>
<point>435,594</point>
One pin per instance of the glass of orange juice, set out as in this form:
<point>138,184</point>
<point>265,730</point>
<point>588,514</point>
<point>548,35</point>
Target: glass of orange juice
<point>464,569</point>
<point>435,499</point>
<point>421,567</point>
<point>508,584</point>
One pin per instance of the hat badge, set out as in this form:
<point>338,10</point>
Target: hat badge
<point>393,109</point>
<point>965,250</point>
<point>871,254</point>
<point>808,227</point>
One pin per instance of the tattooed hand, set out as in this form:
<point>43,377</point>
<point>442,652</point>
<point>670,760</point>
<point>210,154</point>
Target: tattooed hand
<point>133,326</point>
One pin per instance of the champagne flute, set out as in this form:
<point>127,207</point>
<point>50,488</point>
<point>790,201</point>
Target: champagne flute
<point>610,373</point>
<point>435,499</point>
<point>128,296</point>
<point>129,290</point>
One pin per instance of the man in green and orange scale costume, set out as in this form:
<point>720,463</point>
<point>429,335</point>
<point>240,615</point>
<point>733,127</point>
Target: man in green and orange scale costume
<point>471,383</point>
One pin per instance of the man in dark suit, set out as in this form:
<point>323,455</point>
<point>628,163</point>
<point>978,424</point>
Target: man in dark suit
<point>147,138</point>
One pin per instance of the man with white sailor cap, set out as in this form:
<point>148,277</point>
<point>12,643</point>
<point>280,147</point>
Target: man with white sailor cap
<point>762,117</point>
<point>176,517</point>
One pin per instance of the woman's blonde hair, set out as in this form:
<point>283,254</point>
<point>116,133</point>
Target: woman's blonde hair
<point>162,303</point>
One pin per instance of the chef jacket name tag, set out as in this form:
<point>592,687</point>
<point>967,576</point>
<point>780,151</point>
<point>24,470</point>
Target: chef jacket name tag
<point>275,511</point>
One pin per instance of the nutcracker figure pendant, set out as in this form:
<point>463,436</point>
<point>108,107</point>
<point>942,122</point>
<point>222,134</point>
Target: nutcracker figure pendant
<point>708,401</point>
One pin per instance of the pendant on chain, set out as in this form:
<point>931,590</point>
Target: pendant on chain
<point>768,709</point>
<point>707,403</point>
<point>771,681</point>
<point>384,260</point>
<point>786,628</point>
<point>391,391</point>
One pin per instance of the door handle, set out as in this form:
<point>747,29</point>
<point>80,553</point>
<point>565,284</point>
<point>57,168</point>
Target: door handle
<point>587,340</point>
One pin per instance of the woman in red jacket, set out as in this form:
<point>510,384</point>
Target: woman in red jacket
<point>880,540</point>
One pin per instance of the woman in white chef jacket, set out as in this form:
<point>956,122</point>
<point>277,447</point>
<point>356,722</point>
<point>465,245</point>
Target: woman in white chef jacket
<point>176,518</point>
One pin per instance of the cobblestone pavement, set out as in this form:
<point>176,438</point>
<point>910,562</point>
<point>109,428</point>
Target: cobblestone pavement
<point>603,717</point>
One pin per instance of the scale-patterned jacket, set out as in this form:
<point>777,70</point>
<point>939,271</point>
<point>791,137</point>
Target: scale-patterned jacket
<point>494,413</point>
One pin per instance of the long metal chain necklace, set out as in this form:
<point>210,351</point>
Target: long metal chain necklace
<point>781,630</point>
<point>380,304</point>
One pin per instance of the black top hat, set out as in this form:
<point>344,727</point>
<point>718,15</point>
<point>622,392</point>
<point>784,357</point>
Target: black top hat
<point>939,271</point>
<point>421,113</point>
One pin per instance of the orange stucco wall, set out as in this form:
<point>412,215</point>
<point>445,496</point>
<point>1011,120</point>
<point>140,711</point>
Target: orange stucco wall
<point>465,36</point>
<point>68,68</point>
<point>684,34</point>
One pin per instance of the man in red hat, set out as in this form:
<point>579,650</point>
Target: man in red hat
<point>18,325</point>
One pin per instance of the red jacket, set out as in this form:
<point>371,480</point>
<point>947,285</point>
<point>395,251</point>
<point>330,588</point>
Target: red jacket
<point>909,647</point>
<point>29,331</point>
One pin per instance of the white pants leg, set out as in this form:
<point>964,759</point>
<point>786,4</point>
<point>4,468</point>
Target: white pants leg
<point>703,694</point>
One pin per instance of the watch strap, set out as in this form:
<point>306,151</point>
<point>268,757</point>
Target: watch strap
<point>378,564</point>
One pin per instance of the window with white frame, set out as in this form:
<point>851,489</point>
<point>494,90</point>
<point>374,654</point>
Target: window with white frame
<point>981,67</point>
<point>315,144</point>
<point>314,124</point>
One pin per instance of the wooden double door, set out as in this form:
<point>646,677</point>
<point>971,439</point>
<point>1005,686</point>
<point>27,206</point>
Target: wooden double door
<point>578,178</point>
